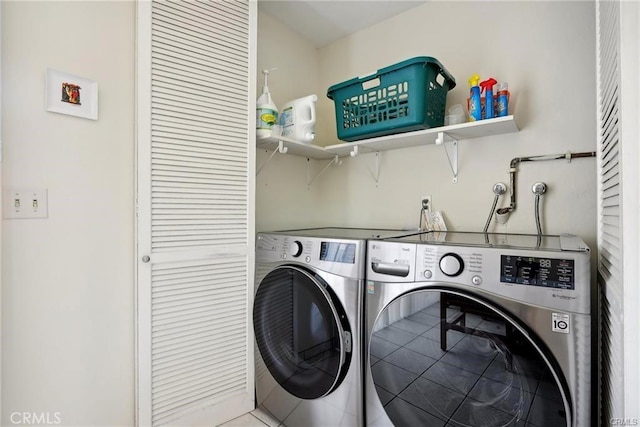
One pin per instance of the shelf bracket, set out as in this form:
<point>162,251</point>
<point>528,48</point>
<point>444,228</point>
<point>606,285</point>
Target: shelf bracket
<point>376,172</point>
<point>336,160</point>
<point>451,150</point>
<point>279,149</point>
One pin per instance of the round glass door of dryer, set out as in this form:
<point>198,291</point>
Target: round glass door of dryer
<point>444,358</point>
<point>302,332</point>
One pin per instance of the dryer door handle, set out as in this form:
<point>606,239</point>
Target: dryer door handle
<point>401,270</point>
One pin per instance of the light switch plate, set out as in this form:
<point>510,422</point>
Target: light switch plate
<point>25,204</point>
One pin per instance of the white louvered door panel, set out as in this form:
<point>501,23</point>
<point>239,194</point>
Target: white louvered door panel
<point>610,235</point>
<point>195,161</point>
<point>617,53</point>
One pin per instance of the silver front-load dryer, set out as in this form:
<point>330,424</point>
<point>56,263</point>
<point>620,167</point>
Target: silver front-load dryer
<point>476,329</point>
<point>307,318</point>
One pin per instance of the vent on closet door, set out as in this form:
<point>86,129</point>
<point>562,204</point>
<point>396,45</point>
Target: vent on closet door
<point>199,149</point>
<point>610,232</point>
<point>199,330</point>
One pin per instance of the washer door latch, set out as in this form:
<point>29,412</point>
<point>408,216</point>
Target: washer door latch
<point>346,340</point>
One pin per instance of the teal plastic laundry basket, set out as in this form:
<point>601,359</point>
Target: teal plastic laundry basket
<point>406,96</point>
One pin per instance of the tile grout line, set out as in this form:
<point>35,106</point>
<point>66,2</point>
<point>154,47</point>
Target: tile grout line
<point>251,413</point>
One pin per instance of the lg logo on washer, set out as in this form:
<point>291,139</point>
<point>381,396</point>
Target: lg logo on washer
<point>36,418</point>
<point>564,297</point>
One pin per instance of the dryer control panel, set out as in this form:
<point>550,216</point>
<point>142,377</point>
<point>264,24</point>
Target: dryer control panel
<point>338,256</point>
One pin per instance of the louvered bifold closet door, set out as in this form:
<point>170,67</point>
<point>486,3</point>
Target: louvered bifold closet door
<point>195,215</point>
<point>610,277</point>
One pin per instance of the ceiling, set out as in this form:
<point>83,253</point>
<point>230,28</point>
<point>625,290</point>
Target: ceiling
<point>325,21</point>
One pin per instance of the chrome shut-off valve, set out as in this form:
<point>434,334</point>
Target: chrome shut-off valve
<point>499,188</point>
<point>539,188</point>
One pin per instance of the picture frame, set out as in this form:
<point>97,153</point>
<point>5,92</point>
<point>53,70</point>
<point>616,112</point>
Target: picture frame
<point>70,94</point>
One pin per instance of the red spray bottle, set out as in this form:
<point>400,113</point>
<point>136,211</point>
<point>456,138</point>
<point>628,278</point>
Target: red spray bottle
<point>487,88</point>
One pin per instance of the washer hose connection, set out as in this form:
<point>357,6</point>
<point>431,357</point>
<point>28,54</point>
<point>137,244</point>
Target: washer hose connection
<point>539,188</point>
<point>498,189</point>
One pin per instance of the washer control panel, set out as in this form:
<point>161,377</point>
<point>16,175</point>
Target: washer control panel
<point>451,264</point>
<point>551,272</point>
<point>558,279</point>
<point>434,262</point>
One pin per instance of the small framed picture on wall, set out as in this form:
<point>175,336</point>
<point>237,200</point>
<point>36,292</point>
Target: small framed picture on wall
<point>73,95</point>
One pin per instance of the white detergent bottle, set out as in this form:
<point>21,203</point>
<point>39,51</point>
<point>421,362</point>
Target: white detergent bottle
<point>266,110</point>
<point>298,119</point>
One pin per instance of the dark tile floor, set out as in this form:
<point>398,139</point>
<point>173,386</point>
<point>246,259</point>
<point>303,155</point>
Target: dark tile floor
<point>469,384</point>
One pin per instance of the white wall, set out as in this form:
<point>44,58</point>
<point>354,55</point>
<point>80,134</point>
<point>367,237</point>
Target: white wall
<point>68,280</point>
<point>544,50</point>
<point>283,200</point>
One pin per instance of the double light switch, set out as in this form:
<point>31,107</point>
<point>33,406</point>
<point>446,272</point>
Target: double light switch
<point>26,204</point>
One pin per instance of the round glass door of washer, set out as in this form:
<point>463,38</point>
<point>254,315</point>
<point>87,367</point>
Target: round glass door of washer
<point>302,332</point>
<point>445,358</point>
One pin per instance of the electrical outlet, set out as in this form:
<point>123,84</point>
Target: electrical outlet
<point>25,204</point>
<point>425,203</point>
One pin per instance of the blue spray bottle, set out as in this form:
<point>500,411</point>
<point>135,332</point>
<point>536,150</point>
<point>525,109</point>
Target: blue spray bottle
<point>487,88</point>
<point>475,108</point>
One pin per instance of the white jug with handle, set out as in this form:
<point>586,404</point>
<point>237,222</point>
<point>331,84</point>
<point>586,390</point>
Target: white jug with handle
<point>298,119</point>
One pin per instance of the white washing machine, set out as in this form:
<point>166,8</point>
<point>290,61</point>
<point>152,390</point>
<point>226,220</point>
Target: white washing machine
<point>476,329</point>
<point>307,318</point>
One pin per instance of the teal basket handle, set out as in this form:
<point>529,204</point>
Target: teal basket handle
<point>447,75</point>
